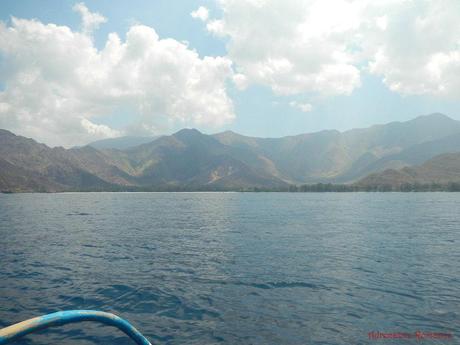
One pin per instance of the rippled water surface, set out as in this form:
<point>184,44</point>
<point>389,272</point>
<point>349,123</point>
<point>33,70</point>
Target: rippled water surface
<point>233,268</point>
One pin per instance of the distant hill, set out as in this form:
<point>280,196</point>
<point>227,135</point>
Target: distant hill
<point>53,169</point>
<point>441,169</point>
<point>191,160</point>
<point>413,155</point>
<point>121,143</point>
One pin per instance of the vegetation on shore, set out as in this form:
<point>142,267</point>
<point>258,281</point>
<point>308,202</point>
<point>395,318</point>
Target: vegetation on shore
<point>305,188</point>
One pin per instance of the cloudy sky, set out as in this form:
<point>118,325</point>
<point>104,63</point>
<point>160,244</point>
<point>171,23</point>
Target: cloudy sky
<point>73,72</point>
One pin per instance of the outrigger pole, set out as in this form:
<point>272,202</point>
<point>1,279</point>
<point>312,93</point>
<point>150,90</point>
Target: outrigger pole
<point>60,318</point>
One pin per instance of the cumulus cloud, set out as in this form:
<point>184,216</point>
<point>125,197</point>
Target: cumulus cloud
<point>291,46</point>
<point>59,85</point>
<point>100,130</point>
<point>90,21</point>
<point>418,52</point>
<point>303,107</point>
<point>201,13</point>
<point>324,47</point>
<point>240,81</point>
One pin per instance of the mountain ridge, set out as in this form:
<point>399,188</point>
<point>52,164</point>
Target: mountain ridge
<point>189,159</point>
<point>120,143</point>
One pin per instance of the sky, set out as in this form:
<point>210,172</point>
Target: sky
<point>73,72</point>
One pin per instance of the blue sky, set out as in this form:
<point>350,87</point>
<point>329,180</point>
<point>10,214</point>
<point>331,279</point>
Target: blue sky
<point>259,109</point>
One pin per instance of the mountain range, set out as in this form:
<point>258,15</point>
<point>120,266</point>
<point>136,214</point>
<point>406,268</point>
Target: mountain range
<point>421,150</point>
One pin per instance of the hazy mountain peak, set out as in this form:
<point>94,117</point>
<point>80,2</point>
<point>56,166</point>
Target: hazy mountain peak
<point>433,117</point>
<point>188,134</point>
<point>227,132</point>
<point>187,131</point>
<point>121,143</point>
<point>5,132</point>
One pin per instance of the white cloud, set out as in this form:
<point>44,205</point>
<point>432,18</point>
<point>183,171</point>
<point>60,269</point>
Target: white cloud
<point>201,13</point>
<point>292,46</point>
<point>100,130</point>
<point>58,85</point>
<point>382,22</point>
<point>240,81</point>
<point>324,47</point>
<point>90,21</point>
<point>216,27</point>
<point>419,51</point>
<point>303,107</point>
